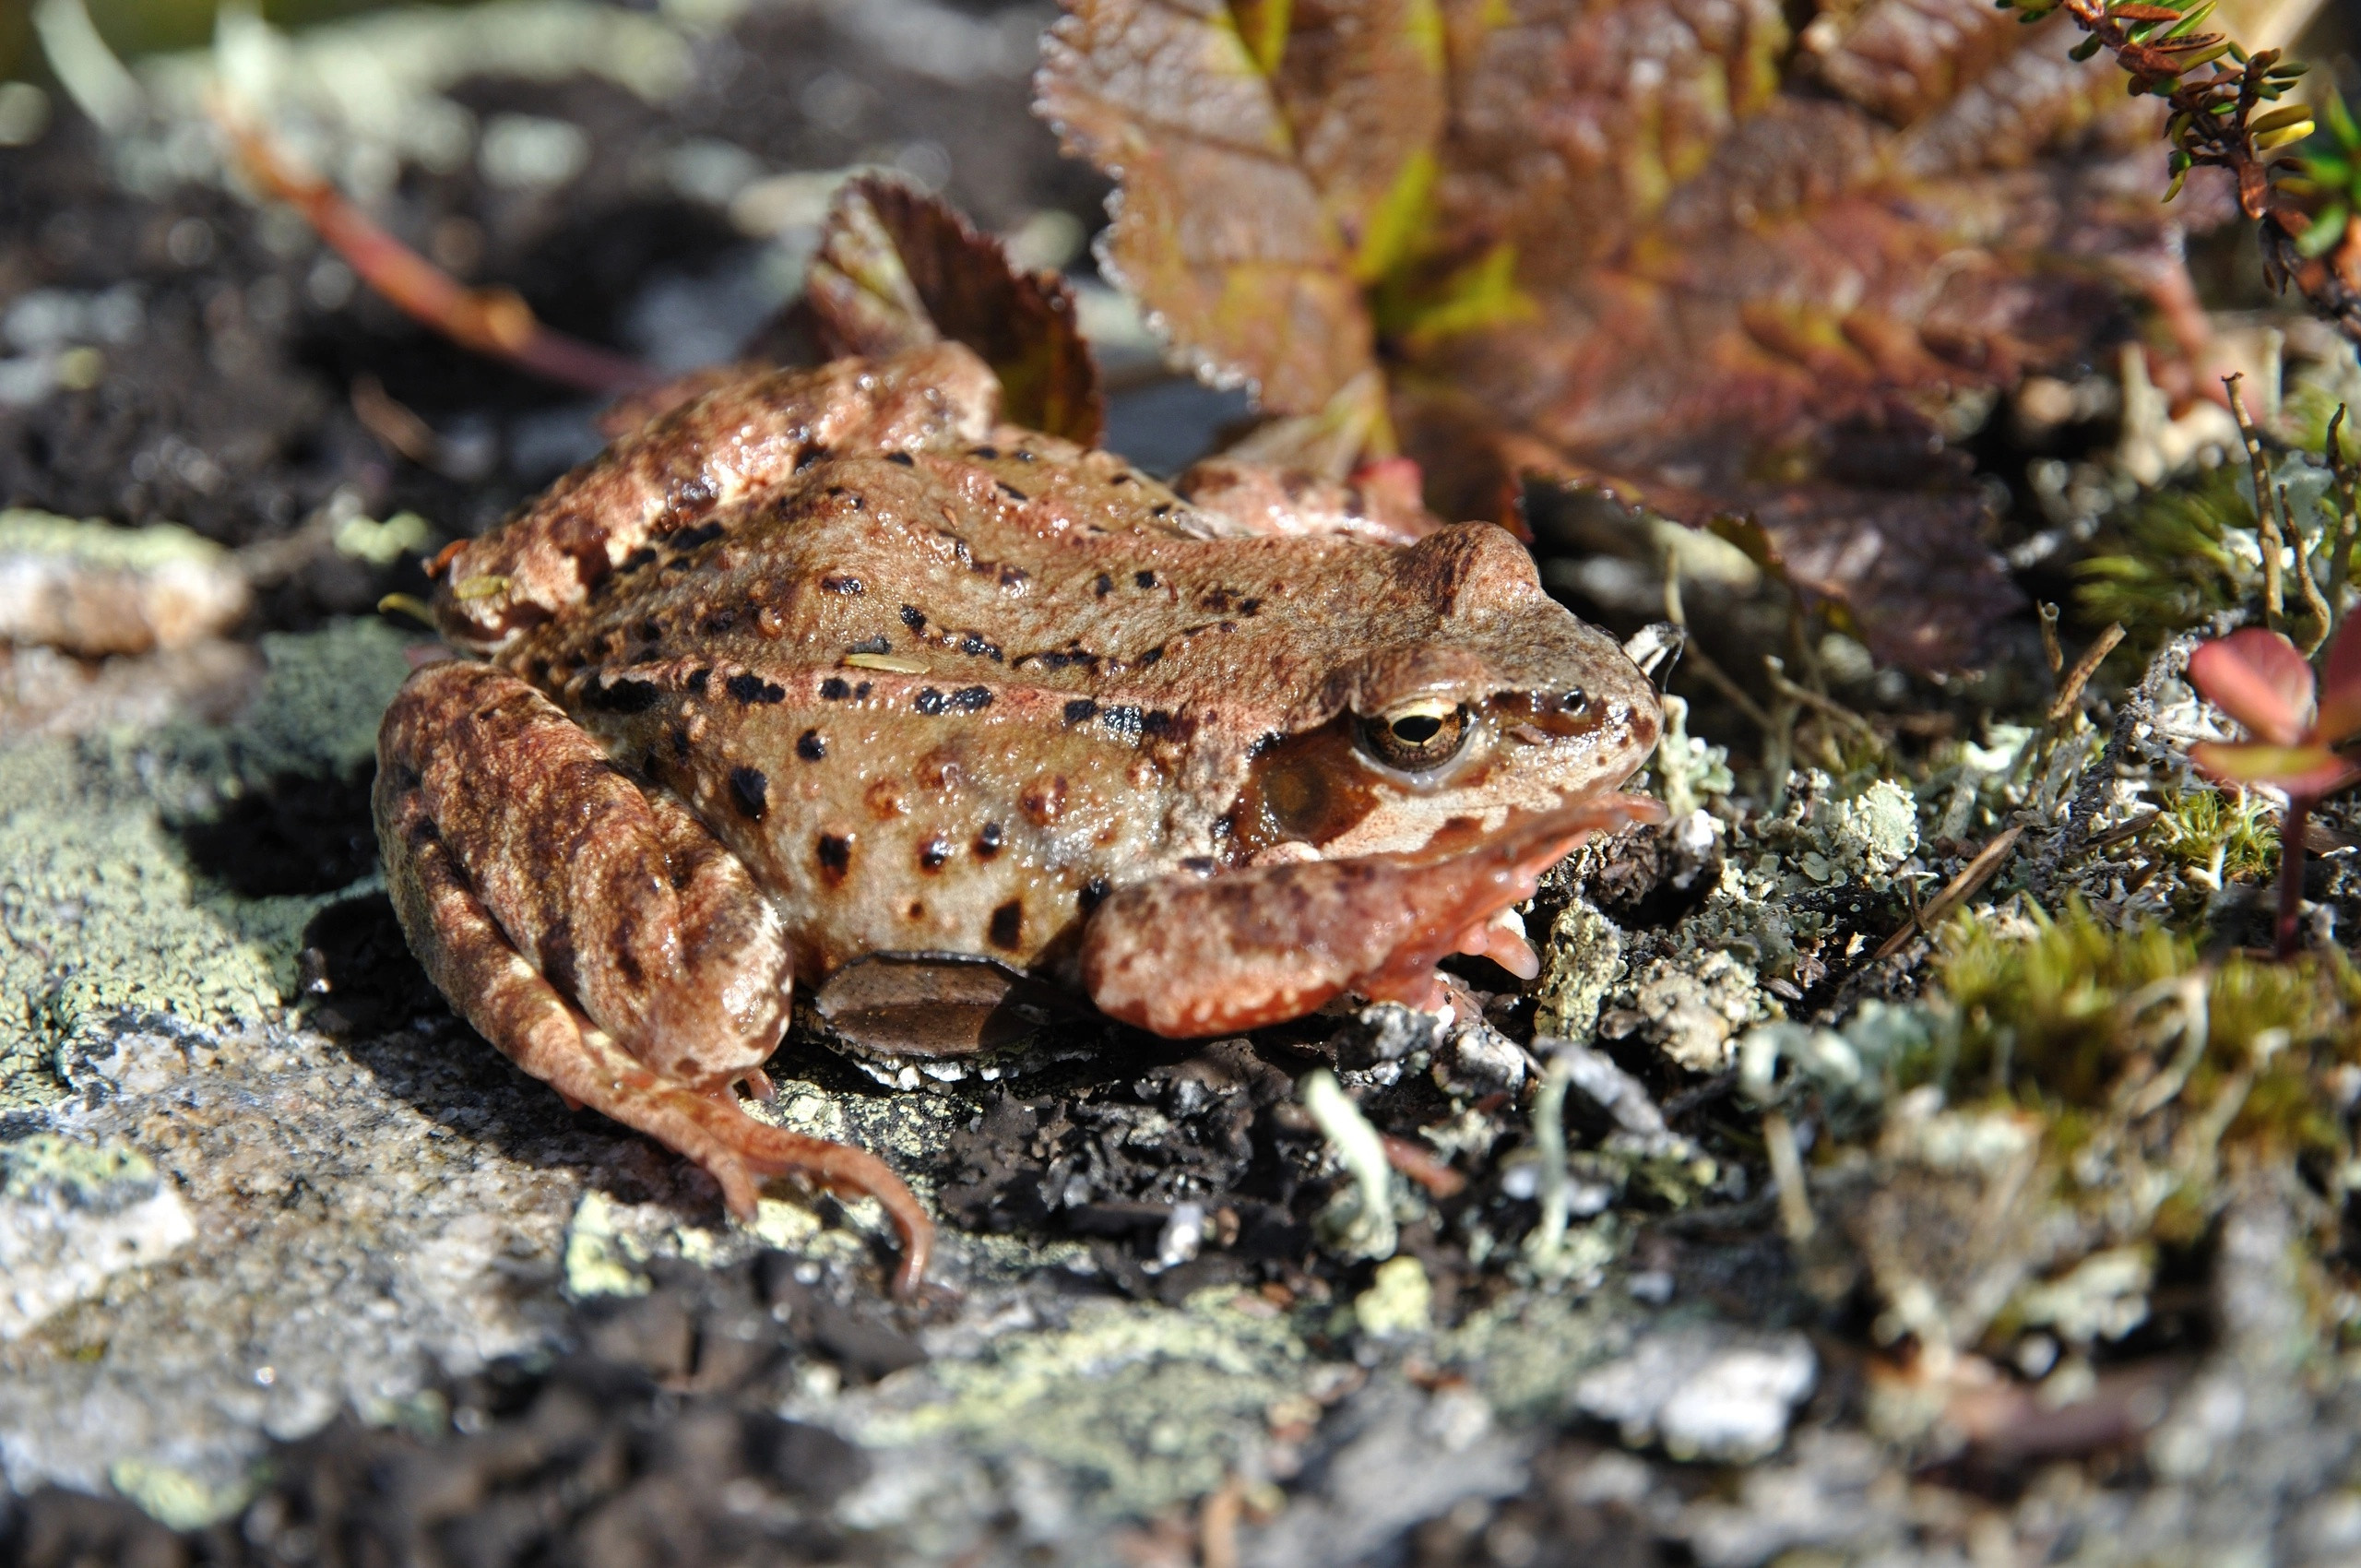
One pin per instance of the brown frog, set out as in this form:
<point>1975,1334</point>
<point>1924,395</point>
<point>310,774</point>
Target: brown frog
<point>826,678</point>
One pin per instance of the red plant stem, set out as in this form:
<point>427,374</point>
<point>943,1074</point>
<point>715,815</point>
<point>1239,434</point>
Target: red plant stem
<point>2291,871</point>
<point>489,321</point>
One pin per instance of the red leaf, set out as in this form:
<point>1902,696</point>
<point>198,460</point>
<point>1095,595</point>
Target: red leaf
<point>1665,248</point>
<point>2259,679</point>
<point>897,270</point>
<point>2339,716</point>
<point>2299,770</point>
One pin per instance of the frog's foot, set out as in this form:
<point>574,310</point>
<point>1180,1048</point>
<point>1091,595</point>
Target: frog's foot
<point>597,935</point>
<point>1185,957</point>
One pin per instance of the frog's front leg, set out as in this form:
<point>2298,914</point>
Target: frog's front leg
<point>596,934</point>
<point>1186,956</point>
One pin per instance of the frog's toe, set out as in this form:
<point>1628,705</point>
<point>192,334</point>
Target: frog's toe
<point>737,1150</point>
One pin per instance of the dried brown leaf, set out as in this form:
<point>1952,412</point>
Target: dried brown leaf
<point>897,270</point>
<point>1268,159</point>
<point>1664,248</point>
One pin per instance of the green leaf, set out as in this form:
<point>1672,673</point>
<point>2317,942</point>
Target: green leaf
<point>2328,227</point>
<point>2087,48</point>
<point>2191,18</point>
<point>2288,131</point>
<point>2340,121</point>
<point>1395,223</point>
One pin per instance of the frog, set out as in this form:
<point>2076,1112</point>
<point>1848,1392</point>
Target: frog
<point>828,682</point>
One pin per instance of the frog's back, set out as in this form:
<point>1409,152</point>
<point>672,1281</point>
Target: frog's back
<point>914,698</point>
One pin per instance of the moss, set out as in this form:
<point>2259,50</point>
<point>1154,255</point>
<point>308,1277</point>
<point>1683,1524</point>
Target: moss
<point>2039,1015</point>
<point>2075,1017</point>
<point>2217,836</point>
<point>2175,556</point>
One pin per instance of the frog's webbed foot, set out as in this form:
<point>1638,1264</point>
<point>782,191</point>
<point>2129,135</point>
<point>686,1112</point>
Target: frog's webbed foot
<point>1184,957</point>
<point>598,935</point>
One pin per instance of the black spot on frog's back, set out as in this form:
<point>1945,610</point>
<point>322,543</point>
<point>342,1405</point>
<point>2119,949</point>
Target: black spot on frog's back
<point>753,688</point>
<point>1008,925</point>
<point>835,854</point>
<point>749,792</point>
<point>624,695</point>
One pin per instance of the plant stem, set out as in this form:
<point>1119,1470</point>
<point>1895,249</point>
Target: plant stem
<point>2291,871</point>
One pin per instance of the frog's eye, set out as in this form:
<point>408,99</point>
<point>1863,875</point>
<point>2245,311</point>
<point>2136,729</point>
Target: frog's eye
<point>1416,736</point>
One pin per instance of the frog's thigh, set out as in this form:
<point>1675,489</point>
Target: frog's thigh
<point>621,898</point>
<point>472,765</point>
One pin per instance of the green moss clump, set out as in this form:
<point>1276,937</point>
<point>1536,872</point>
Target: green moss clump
<point>2039,1015</point>
<point>2173,557</point>
<point>2093,1025</point>
<point>2217,836</point>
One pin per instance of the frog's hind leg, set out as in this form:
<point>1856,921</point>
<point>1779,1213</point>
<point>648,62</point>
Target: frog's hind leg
<point>598,935</point>
<point>1186,956</point>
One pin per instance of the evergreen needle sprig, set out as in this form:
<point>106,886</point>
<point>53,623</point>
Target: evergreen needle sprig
<point>2227,110</point>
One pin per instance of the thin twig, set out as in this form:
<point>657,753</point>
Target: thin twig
<point>2138,706</point>
<point>1422,1167</point>
<point>2132,829</point>
<point>2312,599</point>
<point>1972,876</point>
<point>1816,703</point>
<point>2266,520</point>
<point>1695,657</point>
<point>2070,691</point>
<point>1787,1174</point>
<point>1217,1524</point>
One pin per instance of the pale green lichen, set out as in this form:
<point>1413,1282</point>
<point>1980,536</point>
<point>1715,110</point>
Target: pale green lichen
<point>1585,958</point>
<point>1399,1302</point>
<point>106,917</point>
<point>316,714</point>
<point>1527,1351</point>
<point>174,1498</point>
<point>101,1178</point>
<point>1359,1222</point>
<point>600,1260</point>
<point>103,545</point>
<point>1147,1406</point>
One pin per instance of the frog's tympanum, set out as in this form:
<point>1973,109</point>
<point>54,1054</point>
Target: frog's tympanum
<point>827,679</point>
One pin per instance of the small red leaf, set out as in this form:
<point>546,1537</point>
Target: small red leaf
<point>2299,770</point>
<point>2259,679</point>
<point>2340,717</point>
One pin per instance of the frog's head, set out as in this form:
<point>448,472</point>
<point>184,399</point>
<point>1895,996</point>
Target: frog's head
<point>1473,697</point>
